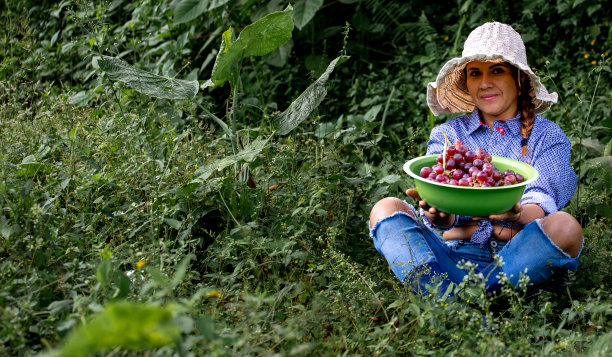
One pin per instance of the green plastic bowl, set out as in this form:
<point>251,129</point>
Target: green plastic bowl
<point>471,201</point>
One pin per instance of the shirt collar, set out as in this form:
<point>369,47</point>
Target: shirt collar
<point>474,123</point>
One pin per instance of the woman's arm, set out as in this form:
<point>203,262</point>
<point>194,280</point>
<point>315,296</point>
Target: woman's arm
<point>527,214</point>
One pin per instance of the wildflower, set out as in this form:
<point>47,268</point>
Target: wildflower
<point>214,293</point>
<point>579,84</point>
<point>605,54</point>
<point>445,38</point>
<point>187,167</point>
<point>586,55</point>
<point>195,167</point>
<point>140,264</point>
<point>131,24</point>
<point>592,42</point>
<point>593,62</point>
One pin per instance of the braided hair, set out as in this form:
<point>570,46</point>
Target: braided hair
<point>526,107</point>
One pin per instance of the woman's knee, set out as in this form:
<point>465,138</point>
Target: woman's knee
<point>565,231</point>
<point>386,207</point>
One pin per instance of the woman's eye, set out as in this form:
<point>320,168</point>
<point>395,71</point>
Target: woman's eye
<point>498,70</point>
<point>474,73</point>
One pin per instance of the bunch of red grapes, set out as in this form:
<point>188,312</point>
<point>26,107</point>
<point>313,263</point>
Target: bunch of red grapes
<point>468,168</point>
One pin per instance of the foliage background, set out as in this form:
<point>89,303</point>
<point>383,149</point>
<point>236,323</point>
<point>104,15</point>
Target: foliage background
<point>102,206</point>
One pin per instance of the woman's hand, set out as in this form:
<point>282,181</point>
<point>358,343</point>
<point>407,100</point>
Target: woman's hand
<point>439,219</point>
<point>511,216</point>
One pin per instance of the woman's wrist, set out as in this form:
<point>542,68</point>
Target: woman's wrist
<point>448,222</point>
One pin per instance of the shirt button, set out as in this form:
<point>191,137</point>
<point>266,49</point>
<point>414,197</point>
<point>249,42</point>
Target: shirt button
<point>493,244</point>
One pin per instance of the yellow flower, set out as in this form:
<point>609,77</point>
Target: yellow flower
<point>593,62</point>
<point>140,264</point>
<point>605,54</point>
<point>187,167</point>
<point>214,293</point>
<point>579,84</point>
<point>445,38</point>
<point>586,55</point>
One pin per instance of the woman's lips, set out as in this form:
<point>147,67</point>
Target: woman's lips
<point>488,97</point>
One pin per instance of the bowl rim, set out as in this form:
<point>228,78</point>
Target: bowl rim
<point>407,165</point>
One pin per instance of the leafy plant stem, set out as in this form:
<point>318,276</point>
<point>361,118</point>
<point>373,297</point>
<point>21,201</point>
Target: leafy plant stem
<point>221,123</point>
<point>373,293</point>
<point>228,210</point>
<point>233,112</point>
<point>384,116</point>
<point>580,151</point>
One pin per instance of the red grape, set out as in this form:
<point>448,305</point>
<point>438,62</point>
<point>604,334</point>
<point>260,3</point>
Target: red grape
<point>457,174</point>
<point>450,164</point>
<point>438,169</point>
<point>469,156</point>
<point>425,171</point>
<point>481,176</point>
<point>511,179</point>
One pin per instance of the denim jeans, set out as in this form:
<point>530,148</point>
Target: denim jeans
<point>418,256</point>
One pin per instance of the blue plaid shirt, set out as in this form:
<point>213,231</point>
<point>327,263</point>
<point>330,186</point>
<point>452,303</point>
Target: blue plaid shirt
<point>548,151</point>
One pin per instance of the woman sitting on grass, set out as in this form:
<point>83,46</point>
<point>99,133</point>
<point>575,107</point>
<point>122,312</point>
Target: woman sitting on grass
<point>494,84</point>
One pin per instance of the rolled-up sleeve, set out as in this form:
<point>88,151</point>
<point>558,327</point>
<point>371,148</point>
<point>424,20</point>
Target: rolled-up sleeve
<point>557,180</point>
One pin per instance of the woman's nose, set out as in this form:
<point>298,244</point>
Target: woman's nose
<point>485,81</point>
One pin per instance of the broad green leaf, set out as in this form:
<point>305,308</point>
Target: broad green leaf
<point>267,33</point>
<point>81,99</point>
<point>604,162</point>
<point>6,228</point>
<point>128,325</point>
<point>608,149</point>
<point>278,57</point>
<point>227,58</point>
<point>187,10</point>
<point>122,283</point>
<point>304,11</point>
<point>173,223</point>
<point>32,168</point>
<point>104,271</point>
<point>247,155</point>
<point>146,82</point>
<point>310,99</point>
<point>181,269</point>
<point>257,39</point>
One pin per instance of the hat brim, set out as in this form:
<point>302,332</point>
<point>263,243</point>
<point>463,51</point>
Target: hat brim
<point>448,95</point>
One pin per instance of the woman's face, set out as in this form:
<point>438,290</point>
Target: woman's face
<point>493,90</point>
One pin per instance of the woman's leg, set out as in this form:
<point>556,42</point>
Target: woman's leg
<point>543,248</point>
<point>414,253</point>
<point>564,231</point>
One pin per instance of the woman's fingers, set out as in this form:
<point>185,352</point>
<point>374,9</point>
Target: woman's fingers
<point>415,194</point>
<point>511,216</point>
<point>412,192</point>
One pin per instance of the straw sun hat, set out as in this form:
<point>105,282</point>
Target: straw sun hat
<point>491,42</point>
